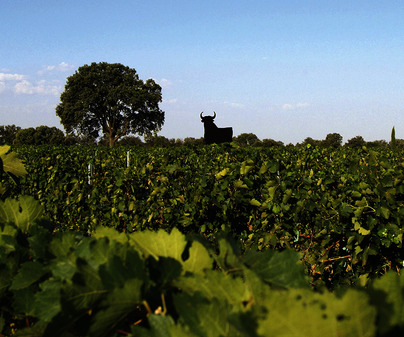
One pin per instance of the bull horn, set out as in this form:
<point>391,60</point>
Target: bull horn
<point>201,114</point>
<point>214,114</point>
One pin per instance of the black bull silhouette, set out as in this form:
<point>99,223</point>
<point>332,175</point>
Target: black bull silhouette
<point>213,134</point>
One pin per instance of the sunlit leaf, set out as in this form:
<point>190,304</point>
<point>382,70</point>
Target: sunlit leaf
<point>11,163</point>
<point>199,259</point>
<point>387,294</point>
<point>160,243</point>
<point>22,212</point>
<point>304,313</point>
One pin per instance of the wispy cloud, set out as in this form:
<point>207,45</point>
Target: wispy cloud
<point>20,84</point>
<point>11,77</point>
<point>288,106</point>
<point>164,83</point>
<point>61,67</point>
<point>39,88</point>
<point>6,78</point>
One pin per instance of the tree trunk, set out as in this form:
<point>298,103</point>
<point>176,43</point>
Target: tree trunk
<point>111,141</point>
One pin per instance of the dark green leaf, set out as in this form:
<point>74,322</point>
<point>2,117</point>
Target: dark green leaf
<point>29,273</point>
<point>24,301</point>
<point>47,302</point>
<point>117,307</point>
<point>282,269</point>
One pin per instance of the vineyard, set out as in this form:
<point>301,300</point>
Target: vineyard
<point>201,241</point>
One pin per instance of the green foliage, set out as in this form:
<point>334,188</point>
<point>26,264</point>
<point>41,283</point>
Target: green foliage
<point>23,212</point>
<point>333,140</point>
<point>8,133</point>
<point>113,284</point>
<point>393,142</point>
<point>10,163</point>
<point>388,297</point>
<point>246,139</point>
<point>357,141</point>
<point>10,169</point>
<point>166,283</point>
<point>40,135</point>
<point>342,208</point>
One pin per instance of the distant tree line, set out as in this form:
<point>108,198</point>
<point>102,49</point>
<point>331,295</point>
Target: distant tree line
<point>335,140</point>
<point>15,135</point>
<point>41,135</point>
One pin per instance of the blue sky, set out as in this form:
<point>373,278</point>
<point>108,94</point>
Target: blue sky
<point>284,70</point>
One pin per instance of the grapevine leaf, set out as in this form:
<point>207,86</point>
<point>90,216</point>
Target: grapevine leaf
<point>304,313</point>
<point>4,149</point>
<point>117,270</point>
<point>62,244</point>
<point>282,269</point>
<point>96,252</point>
<point>271,192</point>
<point>199,259</point>
<point>64,270</point>
<point>255,202</point>
<point>111,233</point>
<point>222,173</point>
<point>204,317</point>
<point>165,269</point>
<point>387,293</point>
<point>39,239</point>
<point>216,285</point>
<point>11,163</point>
<point>8,235</point>
<point>47,301</point>
<point>22,212</point>
<point>385,212</point>
<point>160,243</point>
<point>359,228</point>
<point>118,305</point>
<point>363,231</point>
<point>24,301</point>
<point>29,273</point>
<point>273,166</point>
<point>86,287</point>
<point>228,257</point>
<point>354,314</point>
<point>246,167</point>
<point>256,287</point>
<point>346,209</point>
<point>161,325</point>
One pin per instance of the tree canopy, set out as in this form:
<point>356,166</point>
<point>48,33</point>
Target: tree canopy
<point>333,140</point>
<point>246,139</point>
<point>8,133</point>
<point>112,99</point>
<point>39,136</point>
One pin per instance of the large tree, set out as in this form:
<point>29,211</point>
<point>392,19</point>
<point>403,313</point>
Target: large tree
<point>112,99</point>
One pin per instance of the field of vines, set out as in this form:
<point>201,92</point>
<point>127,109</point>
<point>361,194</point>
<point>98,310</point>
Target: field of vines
<point>201,241</point>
